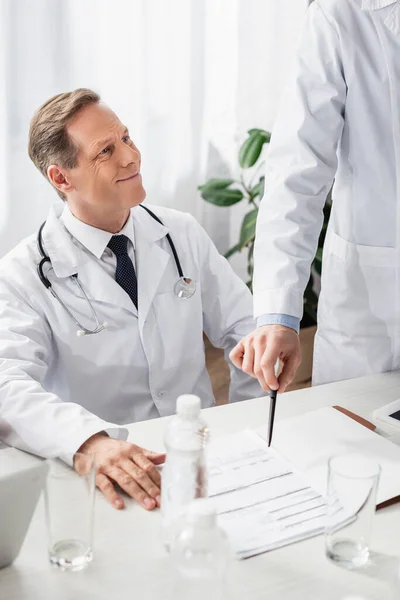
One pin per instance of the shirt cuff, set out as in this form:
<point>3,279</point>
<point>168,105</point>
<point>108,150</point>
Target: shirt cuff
<point>279,319</point>
<point>118,433</point>
<point>113,431</point>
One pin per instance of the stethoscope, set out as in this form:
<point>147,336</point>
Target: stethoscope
<point>184,287</point>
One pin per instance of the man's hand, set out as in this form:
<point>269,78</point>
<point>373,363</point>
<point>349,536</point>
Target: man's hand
<point>259,351</point>
<point>131,467</point>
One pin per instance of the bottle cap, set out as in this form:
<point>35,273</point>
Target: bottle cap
<point>188,406</point>
<point>202,512</point>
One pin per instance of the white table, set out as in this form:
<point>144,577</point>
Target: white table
<point>131,564</point>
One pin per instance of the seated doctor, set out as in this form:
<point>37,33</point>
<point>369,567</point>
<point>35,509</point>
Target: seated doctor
<point>102,312</point>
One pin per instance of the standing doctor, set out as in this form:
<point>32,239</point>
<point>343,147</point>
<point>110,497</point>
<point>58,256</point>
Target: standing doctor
<point>340,122</point>
<point>137,285</point>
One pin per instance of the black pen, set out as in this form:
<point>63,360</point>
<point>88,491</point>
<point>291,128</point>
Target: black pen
<point>272,405</point>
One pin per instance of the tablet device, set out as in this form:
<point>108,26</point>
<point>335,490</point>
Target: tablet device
<point>19,494</point>
<point>389,414</point>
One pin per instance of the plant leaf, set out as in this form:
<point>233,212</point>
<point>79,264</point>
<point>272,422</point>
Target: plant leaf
<point>250,150</point>
<point>232,251</point>
<point>258,189</point>
<point>222,197</point>
<point>248,229</point>
<point>318,255</point>
<point>250,260</point>
<point>317,264</point>
<point>262,132</point>
<point>216,184</point>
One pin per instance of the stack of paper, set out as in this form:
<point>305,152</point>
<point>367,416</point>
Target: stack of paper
<point>262,501</point>
<point>270,497</point>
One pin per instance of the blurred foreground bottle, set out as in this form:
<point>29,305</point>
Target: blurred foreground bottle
<point>184,473</point>
<point>200,555</point>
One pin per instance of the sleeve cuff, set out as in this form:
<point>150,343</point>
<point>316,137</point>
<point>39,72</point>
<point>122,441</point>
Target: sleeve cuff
<point>118,433</point>
<point>115,432</point>
<point>279,319</point>
<point>281,301</point>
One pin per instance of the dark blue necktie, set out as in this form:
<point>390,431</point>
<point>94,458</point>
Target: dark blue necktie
<point>125,274</point>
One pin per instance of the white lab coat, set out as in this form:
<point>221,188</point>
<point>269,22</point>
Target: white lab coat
<point>340,119</point>
<point>57,389</point>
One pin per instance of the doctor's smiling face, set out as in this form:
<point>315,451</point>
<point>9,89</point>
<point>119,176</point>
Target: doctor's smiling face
<point>106,182</point>
<point>85,151</point>
<point>107,177</point>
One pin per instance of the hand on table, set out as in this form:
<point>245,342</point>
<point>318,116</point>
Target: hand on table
<point>258,352</point>
<point>131,467</point>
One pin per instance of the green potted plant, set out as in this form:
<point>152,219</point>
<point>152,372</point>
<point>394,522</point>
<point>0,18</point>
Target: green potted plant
<point>250,189</point>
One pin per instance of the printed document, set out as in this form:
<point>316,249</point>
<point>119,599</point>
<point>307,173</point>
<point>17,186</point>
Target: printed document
<point>262,501</point>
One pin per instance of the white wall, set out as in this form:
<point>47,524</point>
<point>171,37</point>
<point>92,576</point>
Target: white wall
<point>189,77</point>
<point>268,31</point>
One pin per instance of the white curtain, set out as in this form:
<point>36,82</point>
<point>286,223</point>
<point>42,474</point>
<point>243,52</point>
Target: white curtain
<point>188,77</point>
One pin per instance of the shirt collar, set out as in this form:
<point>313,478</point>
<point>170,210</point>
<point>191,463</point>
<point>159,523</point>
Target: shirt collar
<point>92,238</point>
<point>376,4</point>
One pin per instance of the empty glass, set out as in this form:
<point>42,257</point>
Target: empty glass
<point>69,504</point>
<point>352,487</point>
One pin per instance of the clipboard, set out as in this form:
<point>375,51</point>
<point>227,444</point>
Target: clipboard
<point>308,441</point>
<point>372,427</point>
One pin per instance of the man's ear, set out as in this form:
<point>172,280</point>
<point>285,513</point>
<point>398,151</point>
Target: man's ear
<point>59,178</point>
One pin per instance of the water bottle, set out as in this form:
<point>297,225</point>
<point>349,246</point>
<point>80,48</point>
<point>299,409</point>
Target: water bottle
<point>184,474</point>
<point>200,555</point>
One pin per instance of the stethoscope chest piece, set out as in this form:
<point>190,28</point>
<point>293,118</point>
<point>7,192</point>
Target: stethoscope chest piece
<point>185,288</point>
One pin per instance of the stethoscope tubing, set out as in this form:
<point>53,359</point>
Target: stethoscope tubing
<point>46,282</point>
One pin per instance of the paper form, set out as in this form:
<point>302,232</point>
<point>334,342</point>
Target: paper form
<point>262,501</point>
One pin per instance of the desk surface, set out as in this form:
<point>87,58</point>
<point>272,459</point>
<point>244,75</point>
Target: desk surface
<point>130,562</point>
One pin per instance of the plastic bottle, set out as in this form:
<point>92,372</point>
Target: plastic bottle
<point>184,473</point>
<point>200,555</point>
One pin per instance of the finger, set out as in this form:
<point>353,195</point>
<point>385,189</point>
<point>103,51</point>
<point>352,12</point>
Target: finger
<point>147,466</point>
<point>259,349</point>
<point>248,359</point>
<point>265,357</point>
<point>156,458</point>
<point>131,487</point>
<point>106,487</point>
<point>142,479</point>
<point>290,366</point>
<point>236,355</point>
<point>268,362</point>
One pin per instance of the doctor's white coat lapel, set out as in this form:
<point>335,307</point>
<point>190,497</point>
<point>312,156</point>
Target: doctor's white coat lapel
<point>151,259</point>
<point>392,20</point>
<point>68,258</point>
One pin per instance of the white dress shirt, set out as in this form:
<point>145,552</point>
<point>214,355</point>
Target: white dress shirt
<point>95,240</point>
